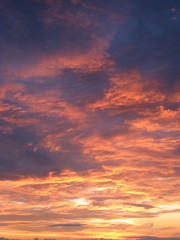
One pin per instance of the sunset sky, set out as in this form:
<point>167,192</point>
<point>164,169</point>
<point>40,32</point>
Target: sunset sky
<point>89,119</point>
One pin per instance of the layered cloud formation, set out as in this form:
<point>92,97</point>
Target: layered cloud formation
<point>89,113</point>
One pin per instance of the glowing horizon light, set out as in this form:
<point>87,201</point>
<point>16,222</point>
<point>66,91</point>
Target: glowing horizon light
<point>129,221</point>
<point>81,201</point>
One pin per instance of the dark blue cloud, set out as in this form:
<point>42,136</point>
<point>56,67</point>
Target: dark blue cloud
<point>149,41</point>
<point>158,238</point>
<point>19,159</point>
<point>26,38</point>
<point>75,87</point>
<point>80,88</point>
<point>67,225</point>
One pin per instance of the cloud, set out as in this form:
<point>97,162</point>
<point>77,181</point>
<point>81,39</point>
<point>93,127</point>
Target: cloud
<point>158,238</point>
<point>139,45</point>
<point>67,225</point>
<point>89,118</point>
<point>28,39</point>
<point>20,157</point>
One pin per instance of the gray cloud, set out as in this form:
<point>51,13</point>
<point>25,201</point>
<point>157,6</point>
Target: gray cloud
<point>67,225</point>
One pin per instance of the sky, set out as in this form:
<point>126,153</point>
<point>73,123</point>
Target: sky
<point>89,119</point>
